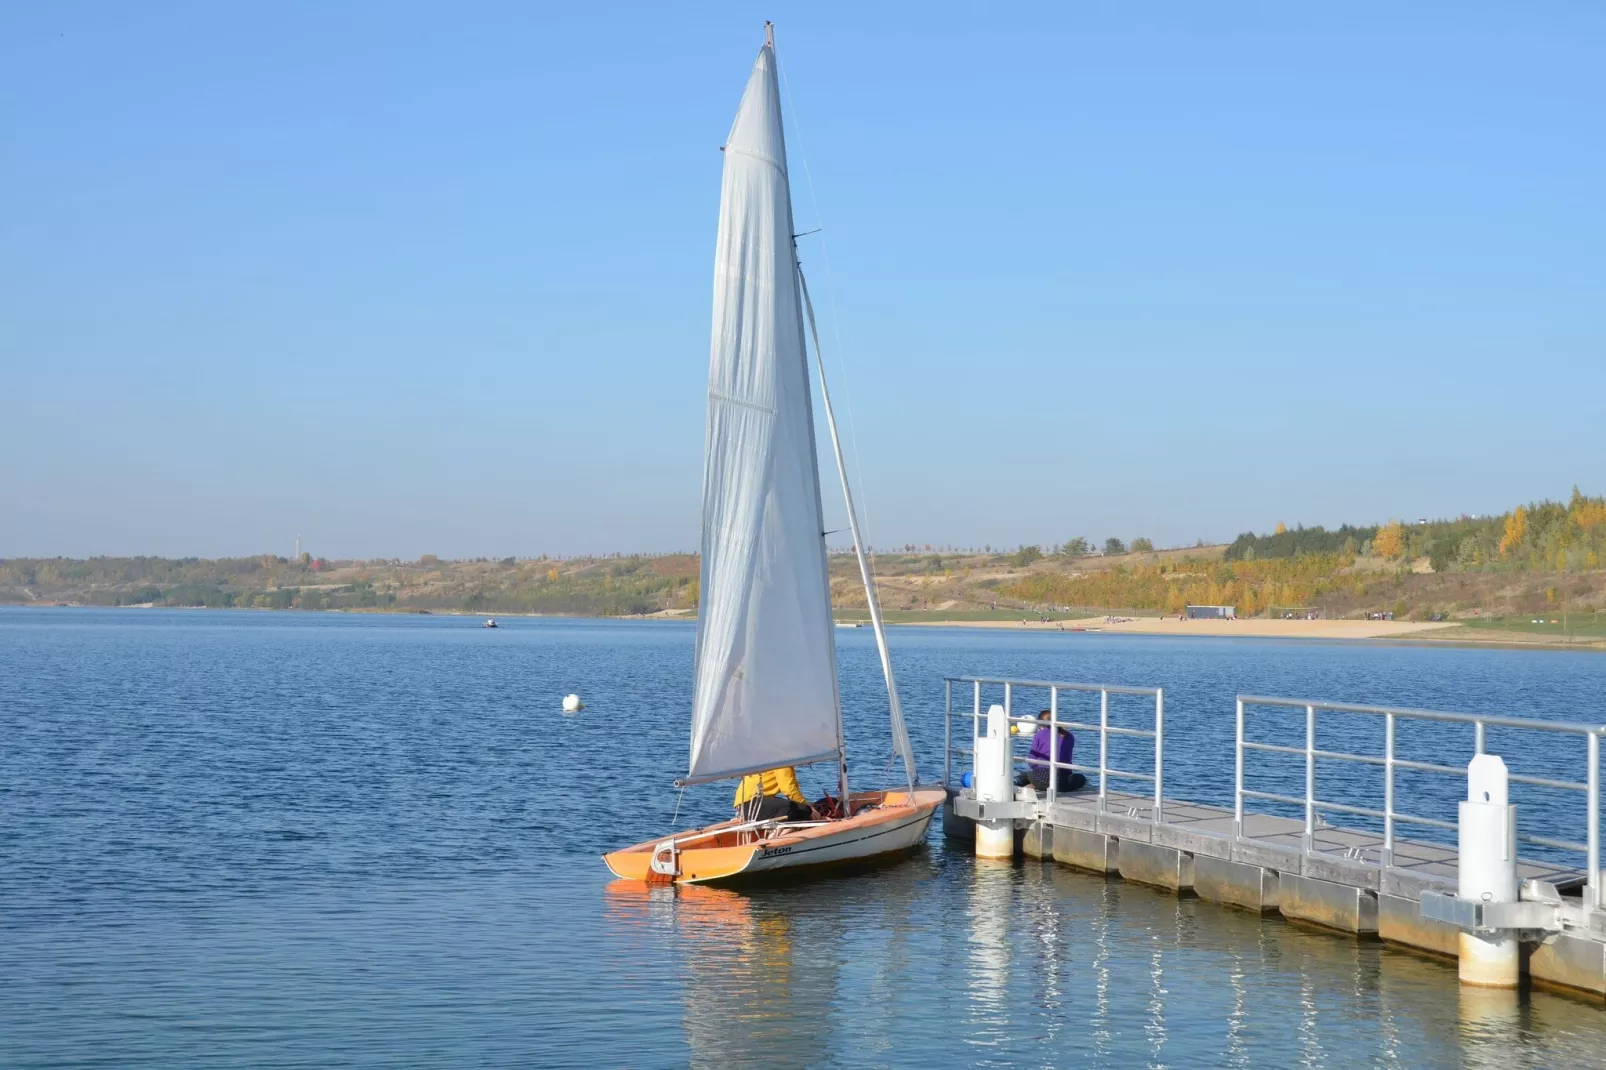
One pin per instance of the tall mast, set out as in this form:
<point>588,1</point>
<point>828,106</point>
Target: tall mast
<point>765,693</point>
<point>843,786</point>
<point>900,733</point>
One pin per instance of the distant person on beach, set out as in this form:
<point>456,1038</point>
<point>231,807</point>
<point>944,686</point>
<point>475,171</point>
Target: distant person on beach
<point>772,795</point>
<point>1042,749</point>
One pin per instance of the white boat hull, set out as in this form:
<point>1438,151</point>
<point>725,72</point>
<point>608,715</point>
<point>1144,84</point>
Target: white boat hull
<point>850,845</point>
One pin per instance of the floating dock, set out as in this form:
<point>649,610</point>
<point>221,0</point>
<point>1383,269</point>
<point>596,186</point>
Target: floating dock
<point>1366,882</point>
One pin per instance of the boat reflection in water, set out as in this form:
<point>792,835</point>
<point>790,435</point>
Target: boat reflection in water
<point>748,997</point>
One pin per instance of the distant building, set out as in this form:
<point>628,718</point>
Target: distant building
<point>1212,612</point>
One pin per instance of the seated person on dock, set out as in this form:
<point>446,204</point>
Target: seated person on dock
<point>1037,775</point>
<point>772,795</point>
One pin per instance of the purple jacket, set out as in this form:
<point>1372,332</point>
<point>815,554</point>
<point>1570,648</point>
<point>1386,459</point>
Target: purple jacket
<point>1040,747</point>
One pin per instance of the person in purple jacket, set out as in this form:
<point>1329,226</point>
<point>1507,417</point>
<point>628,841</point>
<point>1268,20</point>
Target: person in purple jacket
<point>1037,775</point>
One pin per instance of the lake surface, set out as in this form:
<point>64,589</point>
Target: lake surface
<point>243,839</point>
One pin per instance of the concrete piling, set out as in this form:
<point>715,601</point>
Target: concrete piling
<point>995,837</point>
<point>1486,872</point>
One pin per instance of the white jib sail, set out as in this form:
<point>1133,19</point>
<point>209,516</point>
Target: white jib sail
<point>766,689</point>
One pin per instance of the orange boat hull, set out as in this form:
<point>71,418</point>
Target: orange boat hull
<point>883,823</point>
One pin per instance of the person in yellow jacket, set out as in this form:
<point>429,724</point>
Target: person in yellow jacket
<point>772,794</point>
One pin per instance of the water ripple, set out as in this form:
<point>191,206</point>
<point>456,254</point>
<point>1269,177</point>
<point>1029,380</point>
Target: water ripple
<point>243,839</point>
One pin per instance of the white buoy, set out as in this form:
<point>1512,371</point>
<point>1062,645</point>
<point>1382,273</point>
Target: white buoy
<point>1486,870</point>
<point>572,704</point>
<point>995,838</point>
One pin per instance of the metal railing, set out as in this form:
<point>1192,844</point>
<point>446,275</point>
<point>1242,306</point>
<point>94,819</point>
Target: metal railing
<point>1390,762</point>
<point>1104,771</point>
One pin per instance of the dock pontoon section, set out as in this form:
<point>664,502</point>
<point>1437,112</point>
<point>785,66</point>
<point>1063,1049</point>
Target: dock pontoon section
<point>1266,842</point>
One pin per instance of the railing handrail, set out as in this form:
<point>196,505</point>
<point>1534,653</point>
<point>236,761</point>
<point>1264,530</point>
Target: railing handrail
<point>1114,689</point>
<point>1501,720</point>
<point>1590,848</point>
<point>1105,730</point>
<point>1390,814</point>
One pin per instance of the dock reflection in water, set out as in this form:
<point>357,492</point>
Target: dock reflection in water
<point>945,960</point>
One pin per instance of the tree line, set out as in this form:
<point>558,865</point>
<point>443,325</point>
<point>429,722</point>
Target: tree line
<point>1171,586</point>
<point>1545,536</point>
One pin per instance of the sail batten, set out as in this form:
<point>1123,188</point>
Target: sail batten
<point>765,689</point>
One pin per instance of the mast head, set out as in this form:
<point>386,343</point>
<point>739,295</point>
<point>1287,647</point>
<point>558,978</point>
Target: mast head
<point>769,34</point>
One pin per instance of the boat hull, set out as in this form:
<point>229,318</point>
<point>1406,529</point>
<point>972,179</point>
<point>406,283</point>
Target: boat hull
<point>884,824</point>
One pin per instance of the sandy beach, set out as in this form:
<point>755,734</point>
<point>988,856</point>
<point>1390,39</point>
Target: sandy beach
<point>1255,627</point>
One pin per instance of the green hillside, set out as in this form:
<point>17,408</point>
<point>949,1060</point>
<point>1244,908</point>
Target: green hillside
<point>1538,558</point>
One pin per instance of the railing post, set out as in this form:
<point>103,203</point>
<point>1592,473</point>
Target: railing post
<point>1388,791</point>
<point>1159,755</point>
<point>975,715</point>
<point>1477,737</point>
<point>1238,777</point>
<point>1009,740</point>
<point>1053,744</point>
<point>1310,778</point>
<point>947,732</point>
<point>1104,747</point>
<point>1592,889</point>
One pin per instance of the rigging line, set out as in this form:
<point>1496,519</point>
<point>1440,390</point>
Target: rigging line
<point>830,293</point>
<point>900,732</point>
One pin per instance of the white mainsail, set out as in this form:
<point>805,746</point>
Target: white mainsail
<point>766,688</point>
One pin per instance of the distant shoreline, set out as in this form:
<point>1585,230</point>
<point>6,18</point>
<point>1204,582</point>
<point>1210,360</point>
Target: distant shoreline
<point>1246,627</point>
<point>1412,633</point>
<point>1399,633</point>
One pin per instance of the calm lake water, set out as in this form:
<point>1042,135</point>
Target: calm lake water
<point>242,839</point>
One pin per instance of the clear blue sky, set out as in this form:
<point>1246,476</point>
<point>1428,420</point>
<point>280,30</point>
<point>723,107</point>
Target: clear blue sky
<point>436,278</point>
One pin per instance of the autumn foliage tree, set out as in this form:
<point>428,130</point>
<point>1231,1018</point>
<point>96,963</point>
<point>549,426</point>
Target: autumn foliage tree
<point>1516,530</point>
<point>1390,541</point>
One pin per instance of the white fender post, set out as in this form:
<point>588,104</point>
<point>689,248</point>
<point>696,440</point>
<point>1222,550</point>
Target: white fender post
<point>994,838</point>
<point>1487,871</point>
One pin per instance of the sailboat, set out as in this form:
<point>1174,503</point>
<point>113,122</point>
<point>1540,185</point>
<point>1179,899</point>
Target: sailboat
<point>766,691</point>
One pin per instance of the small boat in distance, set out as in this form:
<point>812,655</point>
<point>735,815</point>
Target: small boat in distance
<point>765,693</point>
<point>490,622</point>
